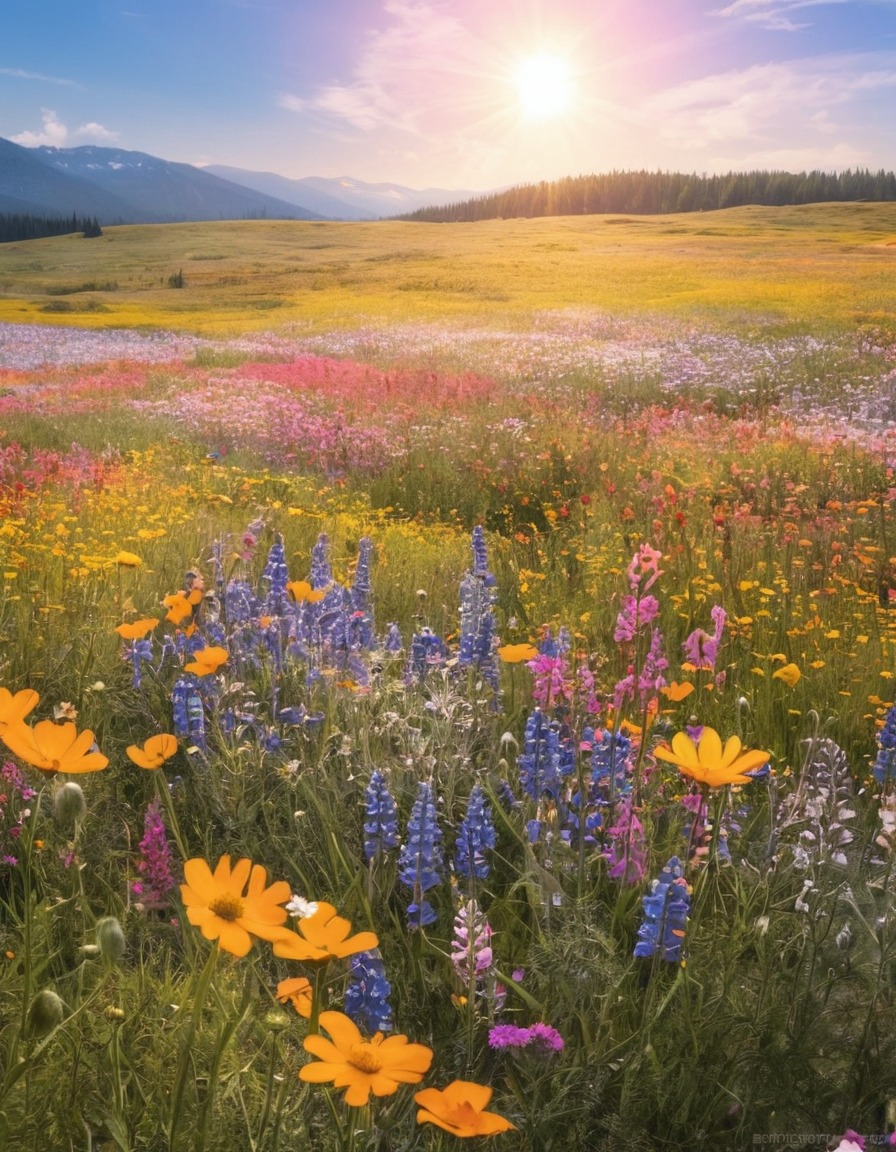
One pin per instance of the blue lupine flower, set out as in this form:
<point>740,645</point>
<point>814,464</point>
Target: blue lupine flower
<point>420,860</point>
<point>475,836</point>
<point>381,818</point>
<point>276,573</point>
<point>367,994</point>
<point>240,603</point>
<point>884,767</point>
<point>137,652</point>
<point>321,573</point>
<point>478,629</point>
<point>188,711</point>
<point>665,915</point>
<point>540,762</point>
<point>505,796</point>
<point>427,651</point>
<point>393,641</point>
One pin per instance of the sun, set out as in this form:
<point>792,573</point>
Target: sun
<point>544,86</point>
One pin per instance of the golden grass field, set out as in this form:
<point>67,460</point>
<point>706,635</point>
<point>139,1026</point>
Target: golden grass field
<point>807,265</point>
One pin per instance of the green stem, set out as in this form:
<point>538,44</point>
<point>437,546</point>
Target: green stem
<point>183,1064</point>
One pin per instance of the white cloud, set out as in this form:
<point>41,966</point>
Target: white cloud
<point>759,106</point>
<point>775,14</point>
<point>94,131</point>
<point>21,74</point>
<point>53,133</point>
<point>56,134</point>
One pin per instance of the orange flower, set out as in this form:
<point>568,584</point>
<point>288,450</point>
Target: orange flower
<point>459,1109</point>
<point>221,906</point>
<point>137,629</point>
<point>676,691</point>
<point>302,591</point>
<point>708,763</point>
<point>53,747</point>
<point>324,936</point>
<point>207,661</point>
<point>179,607</point>
<point>362,1066</point>
<point>14,709</point>
<point>155,751</point>
<point>790,674</point>
<point>298,992</point>
<point>517,653</point>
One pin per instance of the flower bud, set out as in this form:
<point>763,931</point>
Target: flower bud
<point>69,805</point>
<point>111,941</point>
<point>45,1014</point>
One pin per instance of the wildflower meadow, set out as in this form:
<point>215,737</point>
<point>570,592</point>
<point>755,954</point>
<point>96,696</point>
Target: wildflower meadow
<point>421,730</point>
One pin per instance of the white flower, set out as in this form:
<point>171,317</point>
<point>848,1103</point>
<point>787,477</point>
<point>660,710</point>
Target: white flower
<point>301,908</point>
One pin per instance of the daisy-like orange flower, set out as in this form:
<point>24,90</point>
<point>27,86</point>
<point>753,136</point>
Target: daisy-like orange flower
<point>708,762</point>
<point>302,592</point>
<point>298,992</point>
<point>155,751</point>
<point>232,905</point>
<point>179,607</point>
<point>460,1109</point>
<point>207,661</point>
<point>324,936</point>
<point>362,1066</point>
<point>14,708</point>
<point>136,629</point>
<point>53,747</point>
<point>517,653</point>
<point>676,691</point>
<point>790,674</point>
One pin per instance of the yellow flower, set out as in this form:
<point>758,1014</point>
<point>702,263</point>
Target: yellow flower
<point>155,751</point>
<point>324,936</point>
<point>136,629</point>
<point>298,992</point>
<point>459,1109</point>
<point>14,709</point>
<point>708,762</point>
<point>179,608</point>
<point>790,674</point>
<point>128,560</point>
<point>347,1060</point>
<point>517,653</point>
<point>53,747</point>
<point>221,906</point>
<point>207,661</point>
<point>676,691</point>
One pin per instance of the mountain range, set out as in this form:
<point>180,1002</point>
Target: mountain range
<point>116,186</point>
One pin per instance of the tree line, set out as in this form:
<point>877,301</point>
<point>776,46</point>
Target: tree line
<point>650,193</point>
<point>25,226</point>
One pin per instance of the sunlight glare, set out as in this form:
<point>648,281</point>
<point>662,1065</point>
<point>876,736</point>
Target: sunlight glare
<point>544,86</point>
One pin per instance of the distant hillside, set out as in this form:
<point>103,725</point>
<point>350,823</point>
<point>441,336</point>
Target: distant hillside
<point>120,187</point>
<point>648,193</point>
<point>343,197</point>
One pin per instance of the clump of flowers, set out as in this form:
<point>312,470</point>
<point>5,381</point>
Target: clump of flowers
<point>537,1037</point>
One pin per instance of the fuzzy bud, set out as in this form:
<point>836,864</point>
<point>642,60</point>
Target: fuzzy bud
<point>46,1013</point>
<point>110,939</point>
<point>69,805</point>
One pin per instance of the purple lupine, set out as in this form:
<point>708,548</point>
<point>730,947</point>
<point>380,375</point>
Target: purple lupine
<point>321,572</point>
<point>420,860</point>
<point>478,629</point>
<point>471,948</point>
<point>154,865</point>
<point>884,767</point>
<point>540,762</point>
<point>626,852</point>
<point>666,908</point>
<point>537,1036</point>
<point>475,837</point>
<point>427,651</point>
<point>700,648</point>
<point>367,993</point>
<point>381,818</point>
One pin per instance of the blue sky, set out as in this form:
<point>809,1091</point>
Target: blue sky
<point>444,92</point>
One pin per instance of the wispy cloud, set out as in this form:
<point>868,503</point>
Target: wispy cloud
<point>762,104</point>
<point>777,15</point>
<point>21,74</point>
<point>55,134</point>
<point>402,73</point>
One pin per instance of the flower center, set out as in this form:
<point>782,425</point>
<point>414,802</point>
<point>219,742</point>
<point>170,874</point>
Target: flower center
<point>227,906</point>
<point>364,1057</point>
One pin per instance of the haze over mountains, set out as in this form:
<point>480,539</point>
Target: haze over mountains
<point>121,187</point>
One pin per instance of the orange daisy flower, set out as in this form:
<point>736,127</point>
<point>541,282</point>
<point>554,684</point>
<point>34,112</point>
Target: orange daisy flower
<point>298,992</point>
<point>362,1067</point>
<point>324,936</point>
<point>14,708</point>
<point>223,908</point>
<point>517,653</point>
<point>53,747</point>
<point>136,629</point>
<point>460,1109</point>
<point>155,751</point>
<point>708,762</point>
<point>207,661</point>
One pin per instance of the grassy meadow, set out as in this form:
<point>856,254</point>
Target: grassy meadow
<point>447,684</point>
